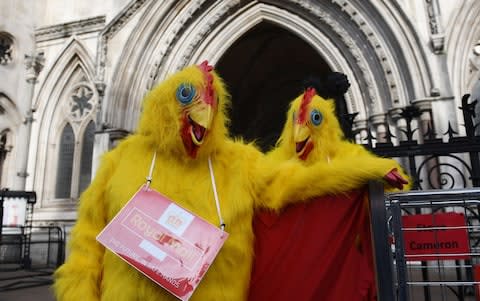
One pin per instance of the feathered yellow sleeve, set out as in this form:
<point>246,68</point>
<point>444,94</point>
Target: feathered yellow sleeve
<point>358,152</point>
<point>290,181</point>
<point>79,277</point>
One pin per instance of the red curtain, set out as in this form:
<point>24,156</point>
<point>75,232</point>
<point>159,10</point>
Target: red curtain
<point>319,250</point>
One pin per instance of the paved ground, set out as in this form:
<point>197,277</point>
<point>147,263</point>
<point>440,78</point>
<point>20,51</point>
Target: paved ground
<point>39,293</point>
<point>44,292</point>
<point>25,287</point>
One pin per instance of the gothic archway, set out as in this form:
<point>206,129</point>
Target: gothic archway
<point>264,70</point>
<point>381,60</point>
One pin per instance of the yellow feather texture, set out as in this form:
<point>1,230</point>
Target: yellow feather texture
<point>91,273</point>
<point>160,120</point>
<point>342,165</point>
<point>245,179</point>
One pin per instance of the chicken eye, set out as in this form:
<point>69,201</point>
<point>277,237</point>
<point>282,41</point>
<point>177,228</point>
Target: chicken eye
<point>316,117</point>
<point>185,93</point>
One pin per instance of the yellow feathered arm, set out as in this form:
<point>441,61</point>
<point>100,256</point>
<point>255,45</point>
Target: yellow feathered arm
<point>80,277</point>
<point>296,182</point>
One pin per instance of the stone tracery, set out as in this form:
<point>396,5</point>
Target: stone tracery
<point>6,48</point>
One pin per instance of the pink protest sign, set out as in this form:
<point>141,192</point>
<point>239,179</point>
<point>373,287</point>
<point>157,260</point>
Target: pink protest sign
<point>168,244</point>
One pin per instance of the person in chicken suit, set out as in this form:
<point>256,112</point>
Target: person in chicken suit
<point>183,150</point>
<point>321,249</point>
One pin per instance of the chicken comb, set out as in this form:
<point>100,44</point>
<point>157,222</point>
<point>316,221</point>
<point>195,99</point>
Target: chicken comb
<point>208,77</point>
<point>307,99</point>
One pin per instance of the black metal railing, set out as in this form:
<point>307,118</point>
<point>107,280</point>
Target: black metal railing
<point>440,162</point>
<point>448,277</point>
<point>28,254</point>
<point>434,163</point>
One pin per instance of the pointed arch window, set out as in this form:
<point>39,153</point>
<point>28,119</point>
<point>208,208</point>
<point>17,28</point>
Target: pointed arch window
<point>65,163</point>
<point>74,163</point>
<point>3,152</point>
<point>87,155</point>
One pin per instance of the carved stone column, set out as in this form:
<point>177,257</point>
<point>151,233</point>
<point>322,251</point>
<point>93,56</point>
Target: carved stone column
<point>400,123</point>
<point>34,64</point>
<point>105,140</point>
<point>4,149</point>
<point>379,122</point>
<point>100,86</point>
<point>360,127</point>
<point>437,34</point>
<point>425,122</point>
<point>475,95</point>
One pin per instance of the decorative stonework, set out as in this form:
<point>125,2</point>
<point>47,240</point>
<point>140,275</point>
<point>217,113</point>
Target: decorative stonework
<point>349,42</point>
<point>111,29</point>
<point>205,31</point>
<point>66,30</point>
<point>474,59</point>
<point>222,11</point>
<point>122,18</point>
<point>476,48</point>
<point>175,32</point>
<point>6,48</point>
<point>437,35</point>
<point>378,48</point>
<point>395,114</point>
<point>153,74</point>
<point>81,101</point>
<point>433,20</point>
<point>424,104</point>
<point>378,119</point>
<point>172,40</point>
<point>34,65</point>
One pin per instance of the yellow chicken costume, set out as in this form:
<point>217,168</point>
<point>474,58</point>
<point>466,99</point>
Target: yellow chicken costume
<point>319,250</point>
<point>184,123</point>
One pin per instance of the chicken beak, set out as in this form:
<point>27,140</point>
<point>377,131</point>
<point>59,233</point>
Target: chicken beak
<point>201,116</point>
<point>301,135</point>
<point>301,132</point>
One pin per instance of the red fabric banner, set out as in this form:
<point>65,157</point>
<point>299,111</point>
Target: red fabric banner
<point>319,250</point>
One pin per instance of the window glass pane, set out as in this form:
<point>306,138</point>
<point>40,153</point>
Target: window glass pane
<point>65,163</point>
<point>87,154</point>
<point>3,152</point>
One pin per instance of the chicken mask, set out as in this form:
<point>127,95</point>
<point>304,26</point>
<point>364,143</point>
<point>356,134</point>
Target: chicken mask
<point>181,114</point>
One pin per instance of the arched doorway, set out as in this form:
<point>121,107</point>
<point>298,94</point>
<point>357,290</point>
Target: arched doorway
<point>383,75</point>
<point>264,70</point>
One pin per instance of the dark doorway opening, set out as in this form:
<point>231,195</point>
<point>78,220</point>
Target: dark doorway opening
<point>264,71</point>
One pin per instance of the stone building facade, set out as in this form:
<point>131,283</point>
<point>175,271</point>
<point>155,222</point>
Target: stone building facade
<point>73,73</point>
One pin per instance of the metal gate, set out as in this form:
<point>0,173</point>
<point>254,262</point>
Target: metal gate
<point>427,244</point>
<point>28,254</point>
